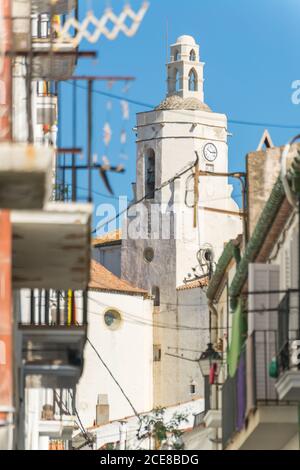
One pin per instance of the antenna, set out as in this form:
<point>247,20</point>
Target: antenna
<point>167,40</point>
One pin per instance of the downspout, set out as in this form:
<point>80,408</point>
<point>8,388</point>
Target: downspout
<point>214,321</point>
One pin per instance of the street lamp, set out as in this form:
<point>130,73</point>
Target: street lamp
<point>208,358</point>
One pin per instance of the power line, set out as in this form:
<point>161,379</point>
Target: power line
<point>166,183</point>
<point>129,318</point>
<point>152,107</point>
<point>82,428</point>
<point>114,379</point>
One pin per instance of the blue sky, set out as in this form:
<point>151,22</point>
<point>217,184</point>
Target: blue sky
<point>251,49</point>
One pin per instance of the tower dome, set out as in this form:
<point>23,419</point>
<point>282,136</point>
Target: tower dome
<point>185,39</point>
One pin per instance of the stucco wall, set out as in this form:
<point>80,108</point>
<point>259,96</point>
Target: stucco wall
<point>127,351</point>
<point>182,330</point>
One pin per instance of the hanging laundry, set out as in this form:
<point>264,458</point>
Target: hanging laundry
<point>126,87</point>
<point>123,137</point>
<point>125,109</point>
<point>107,134</point>
<point>109,105</point>
<point>105,160</point>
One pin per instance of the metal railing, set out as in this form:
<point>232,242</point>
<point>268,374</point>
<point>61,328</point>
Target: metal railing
<point>289,333</point>
<point>57,308</point>
<point>234,402</point>
<point>62,192</point>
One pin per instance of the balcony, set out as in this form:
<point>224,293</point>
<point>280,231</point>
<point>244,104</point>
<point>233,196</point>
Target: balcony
<point>51,248</point>
<point>53,330</point>
<point>58,7</point>
<point>46,110</point>
<point>25,176</point>
<point>288,383</point>
<point>53,59</point>
<point>253,416</point>
<point>213,419</point>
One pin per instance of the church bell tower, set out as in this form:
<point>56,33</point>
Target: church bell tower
<point>167,140</point>
<point>185,71</point>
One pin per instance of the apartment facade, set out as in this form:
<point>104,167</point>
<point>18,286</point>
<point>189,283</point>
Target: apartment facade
<point>257,383</point>
<point>47,268</point>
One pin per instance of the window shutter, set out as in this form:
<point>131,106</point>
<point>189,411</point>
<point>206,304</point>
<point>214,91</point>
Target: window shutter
<point>287,267</point>
<point>294,260</point>
<point>264,278</point>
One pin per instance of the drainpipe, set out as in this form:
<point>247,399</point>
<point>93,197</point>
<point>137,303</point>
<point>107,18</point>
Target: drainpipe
<point>213,321</point>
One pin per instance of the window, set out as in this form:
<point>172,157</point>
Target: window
<point>193,85</point>
<point>177,81</point>
<point>150,174</point>
<point>192,388</point>
<point>156,353</point>
<point>148,254</point>
<point>192,56</point>
<point>176,56</point>
<point>112,319</point>
<point>156,296</point>
<point>209,167</point>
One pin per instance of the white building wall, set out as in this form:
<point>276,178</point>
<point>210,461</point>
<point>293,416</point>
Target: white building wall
<point>127,351</point>
<point>184,333</point>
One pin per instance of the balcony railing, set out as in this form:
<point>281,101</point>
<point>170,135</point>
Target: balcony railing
<point>53,59</point>
<point>62,192</point>
<point>53,327</point>
<point>58,7</point>
<point>268,355</point>
<point>57,308</point>
<point>289,332</point>
<point>234,402</point>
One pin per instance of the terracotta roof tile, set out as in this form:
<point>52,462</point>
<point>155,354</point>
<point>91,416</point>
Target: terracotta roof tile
<point>114,236</point>
<point>103,280</point>
<point>194,284</point>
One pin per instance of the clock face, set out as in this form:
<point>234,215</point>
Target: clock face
<point>210,152</point>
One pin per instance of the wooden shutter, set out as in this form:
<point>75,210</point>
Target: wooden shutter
<point>263,278</point>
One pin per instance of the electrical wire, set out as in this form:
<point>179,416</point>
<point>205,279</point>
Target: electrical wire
<point>152,107</point>
<point>83,430</point>
<point>153,324</point>
<point>163,185</point>
<point>114,379</point>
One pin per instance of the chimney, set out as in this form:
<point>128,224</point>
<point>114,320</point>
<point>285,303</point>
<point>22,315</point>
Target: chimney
<point>102,410</point>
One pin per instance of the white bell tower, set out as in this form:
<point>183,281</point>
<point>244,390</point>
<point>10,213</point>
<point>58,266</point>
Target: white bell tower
<point>185,71</point>
<point>167,139</point>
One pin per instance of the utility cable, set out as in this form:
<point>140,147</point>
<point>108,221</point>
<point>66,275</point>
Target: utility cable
<point>114,379</point>
<point>83,430</point>
<point>163,185</point>
<point>152,107</point>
